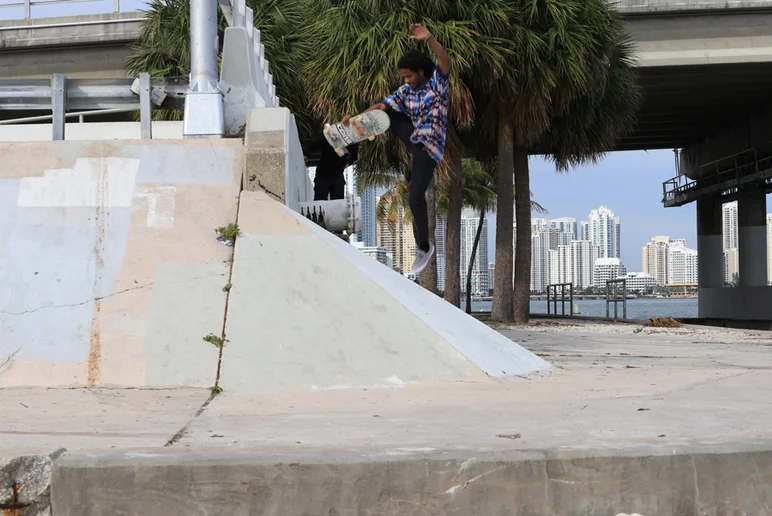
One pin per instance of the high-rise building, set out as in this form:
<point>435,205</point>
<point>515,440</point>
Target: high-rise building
<point>540,265</point>
<point>400,242</point>
<point>565,225</point>
<point>603,229</point>
<point>491,275</point>
<point>730,227</point>
<point>606,269</point>
<point>769,248</point>
<point>368,235</point>
<point>440,233</point>
<point>379,254</point>
<point>470,220</point>
<point>639,282</point>
<point>731,264</point>
<point>654,258</point>
<point>573,263</point>
<point>681,263</point>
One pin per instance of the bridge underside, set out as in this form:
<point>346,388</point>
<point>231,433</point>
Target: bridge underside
<point>685,104</point>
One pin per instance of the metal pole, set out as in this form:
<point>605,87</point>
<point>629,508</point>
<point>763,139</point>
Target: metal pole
<point>204,116</point>
<point>549,289</point>
<point>571,287</point>
<point>145,112</point>
<point>607,288</point>
<point>624,302</point>
<point>616,304</point>
<point>58,105</point>
<point>27,10</point>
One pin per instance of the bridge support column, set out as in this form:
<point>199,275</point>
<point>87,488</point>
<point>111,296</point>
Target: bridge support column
<point>710,245</point>
<point>752,236</point>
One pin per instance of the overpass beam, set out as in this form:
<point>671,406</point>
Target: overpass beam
<point>752,236</point>
<point>710,246</point>
<point>204,99</point>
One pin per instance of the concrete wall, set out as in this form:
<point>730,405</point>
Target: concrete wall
<point>741,303</point>
<point>659,6</point>
<point>696,39</point>
<point>274,158</point>
<point>308,310</point>
<point>81,46</point>
<point>89,131</point>
<point>110,271</point>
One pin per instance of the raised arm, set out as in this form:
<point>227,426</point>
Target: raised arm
<point>421,34</point>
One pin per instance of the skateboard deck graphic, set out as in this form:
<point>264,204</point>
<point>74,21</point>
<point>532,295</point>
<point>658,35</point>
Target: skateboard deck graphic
<point>364,126</point>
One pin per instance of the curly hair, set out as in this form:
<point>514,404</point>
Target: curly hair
<point>418,62</point>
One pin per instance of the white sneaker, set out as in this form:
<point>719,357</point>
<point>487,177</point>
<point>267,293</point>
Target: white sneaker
<point>422,259</point>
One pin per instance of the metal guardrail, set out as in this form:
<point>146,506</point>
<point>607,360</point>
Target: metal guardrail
<point>612,296</point>
<point>552,297</point>
<point>28,5</point>
<point>91,97</point>
<point>723,176</point>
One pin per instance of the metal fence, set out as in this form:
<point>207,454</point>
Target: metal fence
<point>612,296</point>
<point>552,298</point>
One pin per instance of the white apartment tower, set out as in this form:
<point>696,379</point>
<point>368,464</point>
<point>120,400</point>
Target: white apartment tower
<point>730,227</point>
<point>654,258</point>
<point>440,233</point>
<point>603,229</point>
<point>769,248</point>
<point>607,269</point>
<point>470,219</point>
<point>681,263</point>
<point>573,263</point>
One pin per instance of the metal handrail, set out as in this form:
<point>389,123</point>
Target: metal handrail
<point>29,4</point>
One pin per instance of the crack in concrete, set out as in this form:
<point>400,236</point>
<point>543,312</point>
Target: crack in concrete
<point>9,358</point>
<point>100,298</point>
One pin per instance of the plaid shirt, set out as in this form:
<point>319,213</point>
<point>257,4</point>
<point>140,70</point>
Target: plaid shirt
<point>427,107</point>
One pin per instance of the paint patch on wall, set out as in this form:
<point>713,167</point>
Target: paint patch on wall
<point>184,164</point>
<point>93,182</point>
<point>159,201</point>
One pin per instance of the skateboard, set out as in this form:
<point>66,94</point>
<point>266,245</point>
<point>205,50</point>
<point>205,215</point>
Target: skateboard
<point>364,126</point>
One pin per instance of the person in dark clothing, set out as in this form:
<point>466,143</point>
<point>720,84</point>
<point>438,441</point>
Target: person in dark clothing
<point>329,182</point>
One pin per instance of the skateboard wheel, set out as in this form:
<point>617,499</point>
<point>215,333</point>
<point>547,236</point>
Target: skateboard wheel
<point>372,138</point>
<point>337,149</point>
<point>326,130</point>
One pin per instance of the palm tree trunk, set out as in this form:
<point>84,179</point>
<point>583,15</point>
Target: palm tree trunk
<point>503,302</point>
<point>453,235</point>
<point>471,263</point>
<point>522,290</point>
<point>428,277</point>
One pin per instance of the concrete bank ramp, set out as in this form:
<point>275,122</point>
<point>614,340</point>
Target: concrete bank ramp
<point>110,271</point>
<point>307,310</point>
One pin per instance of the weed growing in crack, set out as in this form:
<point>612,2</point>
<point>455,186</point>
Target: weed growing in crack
<point>229,233</point>
<point>215,390</point>
<point>227,287</point>
<point>215,340</point>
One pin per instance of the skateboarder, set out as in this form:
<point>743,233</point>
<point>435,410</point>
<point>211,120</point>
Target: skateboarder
<point>419,117</point>
<point>329,181</point>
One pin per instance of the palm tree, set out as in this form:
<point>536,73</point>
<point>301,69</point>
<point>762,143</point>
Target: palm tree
<point>355,49</point>
<point>572,93</point>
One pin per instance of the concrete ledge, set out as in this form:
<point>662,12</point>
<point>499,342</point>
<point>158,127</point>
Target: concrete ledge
<point>705,481</point>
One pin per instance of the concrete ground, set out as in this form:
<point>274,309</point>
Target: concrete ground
<point>614,392</point>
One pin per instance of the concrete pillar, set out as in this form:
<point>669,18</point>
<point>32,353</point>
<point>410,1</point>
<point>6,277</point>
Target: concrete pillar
<point>710,244</point>
<point>752,236</point>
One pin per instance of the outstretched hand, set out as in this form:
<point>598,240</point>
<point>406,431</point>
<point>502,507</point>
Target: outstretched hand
<point>419,32</point>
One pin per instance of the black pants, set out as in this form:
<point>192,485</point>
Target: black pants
<point>329,187</point>
<point>422,171</point>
